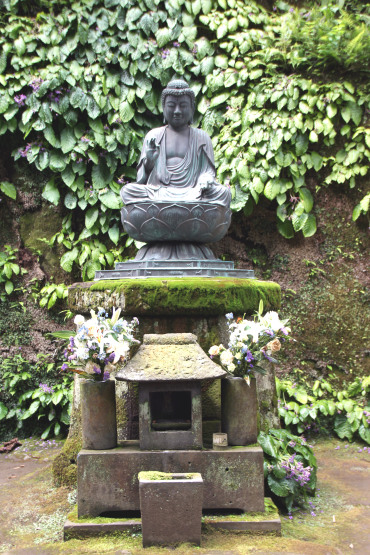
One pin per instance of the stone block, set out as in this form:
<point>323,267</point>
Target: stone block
<point>107,480</point>
<point>171,509</point>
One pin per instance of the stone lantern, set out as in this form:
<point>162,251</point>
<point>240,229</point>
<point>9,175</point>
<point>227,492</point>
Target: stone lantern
<point>169,369</point>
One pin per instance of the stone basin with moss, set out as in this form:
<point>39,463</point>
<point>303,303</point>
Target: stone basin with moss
<point>173,296</point>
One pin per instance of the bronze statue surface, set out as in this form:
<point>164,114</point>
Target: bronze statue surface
<point>177,161</point>
<point>176,204</point>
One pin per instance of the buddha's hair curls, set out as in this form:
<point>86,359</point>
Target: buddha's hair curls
<point>178,87</point>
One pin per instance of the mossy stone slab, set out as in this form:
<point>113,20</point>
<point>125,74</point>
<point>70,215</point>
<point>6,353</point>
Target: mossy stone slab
<point>171,296</point>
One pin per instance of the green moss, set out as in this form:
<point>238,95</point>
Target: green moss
<point>211,296</point>
<point>270,513</point>
<point>154,475</point>
<point>65,464</point>
<point>43,224</point>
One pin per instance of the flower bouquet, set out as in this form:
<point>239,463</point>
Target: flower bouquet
<point>98,342</point>
<point>251,342</point>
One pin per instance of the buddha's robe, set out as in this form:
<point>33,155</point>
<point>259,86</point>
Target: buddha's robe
<point>179,182</point>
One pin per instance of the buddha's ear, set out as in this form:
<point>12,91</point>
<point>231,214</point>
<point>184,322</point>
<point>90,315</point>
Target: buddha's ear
<point>164,120</point>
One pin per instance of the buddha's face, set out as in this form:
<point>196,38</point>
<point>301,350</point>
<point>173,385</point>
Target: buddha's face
<point>178,111</point>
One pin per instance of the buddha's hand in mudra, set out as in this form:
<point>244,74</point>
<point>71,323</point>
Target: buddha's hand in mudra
<point>151,155</point>
<point>205,183</point>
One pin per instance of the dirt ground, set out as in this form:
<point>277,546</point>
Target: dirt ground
<point>335,522</point>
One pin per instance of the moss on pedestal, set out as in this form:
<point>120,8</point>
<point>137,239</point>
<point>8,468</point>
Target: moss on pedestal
<point>171,296</point>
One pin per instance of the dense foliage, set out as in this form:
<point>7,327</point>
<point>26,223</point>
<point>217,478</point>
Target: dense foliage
<point>322,408</point>
<point>80,85</point>
<point>34,399</point>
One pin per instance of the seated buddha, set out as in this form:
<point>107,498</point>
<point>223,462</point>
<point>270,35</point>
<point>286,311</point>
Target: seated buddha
<point>177,160</point>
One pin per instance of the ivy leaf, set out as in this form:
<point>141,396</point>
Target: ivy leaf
<point>57,161</point>
<point>92,108</point>
<point>51,192</point>
<point>101,175</point>
<point>91,217</point>
<point>113,233</point>
<point>111,200</point>
<point>9,287</point>
<point>68,258</point>
<point>306,198</point>
<point>3,410</point>
<point>301,144</point>
<point>70,201</point>
<point>286,229</point>
<point>126,111</point>
<point>342,427</point>
<point>8,189</point>
<point>364,433</point>
<point>309,227</point>
<point>163,36</point>
<point>67,140</point>
<point>219,99</point>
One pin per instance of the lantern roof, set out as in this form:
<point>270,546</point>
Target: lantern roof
<point>170,357</point>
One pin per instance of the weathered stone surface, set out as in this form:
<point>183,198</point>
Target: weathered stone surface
<point>170,357</point>
<point>268,415</point>
<point>171,510</point>
<point>98,411</point>
<point>171,436</point>
<point>239,410</point>
<point>107,481</point>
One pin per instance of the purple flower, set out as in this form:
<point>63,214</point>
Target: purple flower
<point>45,388</point>
<point>20,99</point>
<point>64,366</point>
<point>313,514</point>
<point>176,44</point>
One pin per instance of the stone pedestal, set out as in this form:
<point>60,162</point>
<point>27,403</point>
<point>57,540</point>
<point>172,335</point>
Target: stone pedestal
<point>233,478</point>
<point>171,509</point>
<point>196,305</point>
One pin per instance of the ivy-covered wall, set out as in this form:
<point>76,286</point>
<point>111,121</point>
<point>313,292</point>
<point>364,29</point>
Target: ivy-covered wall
<point>281,87</point>
<point>80,85</point>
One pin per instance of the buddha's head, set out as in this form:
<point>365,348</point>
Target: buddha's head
<point>178,102</point>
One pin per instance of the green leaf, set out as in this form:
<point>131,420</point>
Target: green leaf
<point>286,229</point>
<point>57,161</point>
<point>163,36</point>
<point>70,201</point>
<point>111,200</point>
<point>9,287</point>
<point>3,410</point>
<point>342,427</point>
<point>51,192</point>
<point>364,433</point>
<point>309,227</point>
<point>306,198</point>
<point>113,233</point>
<point>126,111</point>
<point>268,444</point>
<point>219,99</point>
<point>67,140</point>
<point>91,217</point>
<point>101,175</point>
<point>68,258</point>
<point>279,487</point>
<point>57,397</point>
<point>8,189</point>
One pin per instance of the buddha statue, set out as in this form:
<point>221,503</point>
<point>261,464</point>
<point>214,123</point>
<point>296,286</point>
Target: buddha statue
<point>176,186</point>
